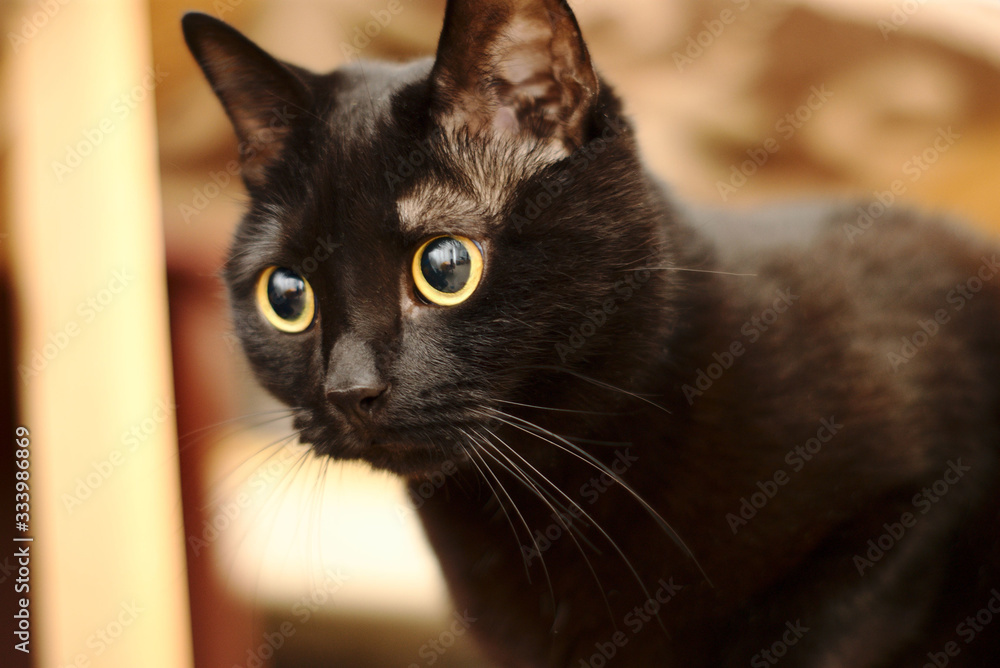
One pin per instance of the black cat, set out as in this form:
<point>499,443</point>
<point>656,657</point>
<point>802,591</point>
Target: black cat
<point>637,434</point>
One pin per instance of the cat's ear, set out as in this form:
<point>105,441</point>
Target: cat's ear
<point>260,94</point>
<point>514,67</point>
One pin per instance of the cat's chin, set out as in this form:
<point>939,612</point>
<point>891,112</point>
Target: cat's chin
<point>405,460</point>
<point>408,460</point>
<point>394,455</point>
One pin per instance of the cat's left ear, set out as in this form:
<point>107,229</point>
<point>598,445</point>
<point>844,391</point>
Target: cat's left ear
<point>513,67</point>
<point>260,94</point>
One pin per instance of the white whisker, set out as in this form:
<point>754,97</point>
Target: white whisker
<point>570,529</point>
<point>472,452</point>
<point>586,457</point>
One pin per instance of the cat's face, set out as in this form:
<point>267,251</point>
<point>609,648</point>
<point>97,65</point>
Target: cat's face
<point>430,243</point>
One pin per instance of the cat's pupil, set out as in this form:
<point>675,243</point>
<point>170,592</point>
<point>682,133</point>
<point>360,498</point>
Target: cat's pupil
<point>446,264</point>
<point>286,294</point>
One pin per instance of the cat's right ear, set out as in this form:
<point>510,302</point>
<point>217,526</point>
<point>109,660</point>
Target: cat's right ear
<point>260,94</point>
<point>514,68</point>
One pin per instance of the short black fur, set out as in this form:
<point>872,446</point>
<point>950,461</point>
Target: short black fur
<point>630,373</point>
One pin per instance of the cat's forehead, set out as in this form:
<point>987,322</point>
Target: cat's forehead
<point>444,181</point>
<point>362,94</point>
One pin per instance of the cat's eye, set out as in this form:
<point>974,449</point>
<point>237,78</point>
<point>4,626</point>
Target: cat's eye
<point>285,299</point>
<point>447,269</point>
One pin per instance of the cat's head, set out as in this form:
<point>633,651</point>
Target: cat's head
<point>429,243</point>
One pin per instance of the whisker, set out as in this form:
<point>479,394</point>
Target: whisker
<point>316,528</point>
<point>482,478</point>
<point>538,549</point>
<point>551,484</point>
<point>546,497</point>
<point>588,458</point>
<point>251,526</point>
<point>222,486</point>
<point>594,381</point>
<point>698,271</point>
<point>590,441</point>
<point>291,481</point>
<point>569,526</point>
<point>230,434</point>
<point>283,412</point>
<point>557,410</point>
<point>472,453</point>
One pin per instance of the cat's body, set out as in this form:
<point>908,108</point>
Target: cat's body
<point>851,444</point>
<point>830,488</point>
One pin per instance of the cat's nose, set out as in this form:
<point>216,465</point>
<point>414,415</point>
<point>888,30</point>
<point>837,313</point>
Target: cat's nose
<point>353,382</point>
<point>358,401</point>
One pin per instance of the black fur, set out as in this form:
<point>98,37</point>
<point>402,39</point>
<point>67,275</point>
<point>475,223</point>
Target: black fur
<point>773,364</point>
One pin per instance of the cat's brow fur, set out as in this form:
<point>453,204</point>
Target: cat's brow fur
<point>481,178</point>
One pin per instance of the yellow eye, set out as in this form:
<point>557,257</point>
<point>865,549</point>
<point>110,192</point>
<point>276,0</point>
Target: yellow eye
<point>285,299</point>
<point>447,269</point>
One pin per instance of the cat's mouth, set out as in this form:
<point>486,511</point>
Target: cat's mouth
<point>414,452</point>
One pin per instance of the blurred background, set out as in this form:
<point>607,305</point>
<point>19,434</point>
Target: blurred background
<point>173,523</point>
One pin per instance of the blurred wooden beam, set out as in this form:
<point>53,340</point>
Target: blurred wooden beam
<point>108,584</point>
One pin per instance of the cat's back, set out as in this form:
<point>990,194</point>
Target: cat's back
<point>877,279</point>
<point>889,331</point>
<point>893,328</point>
